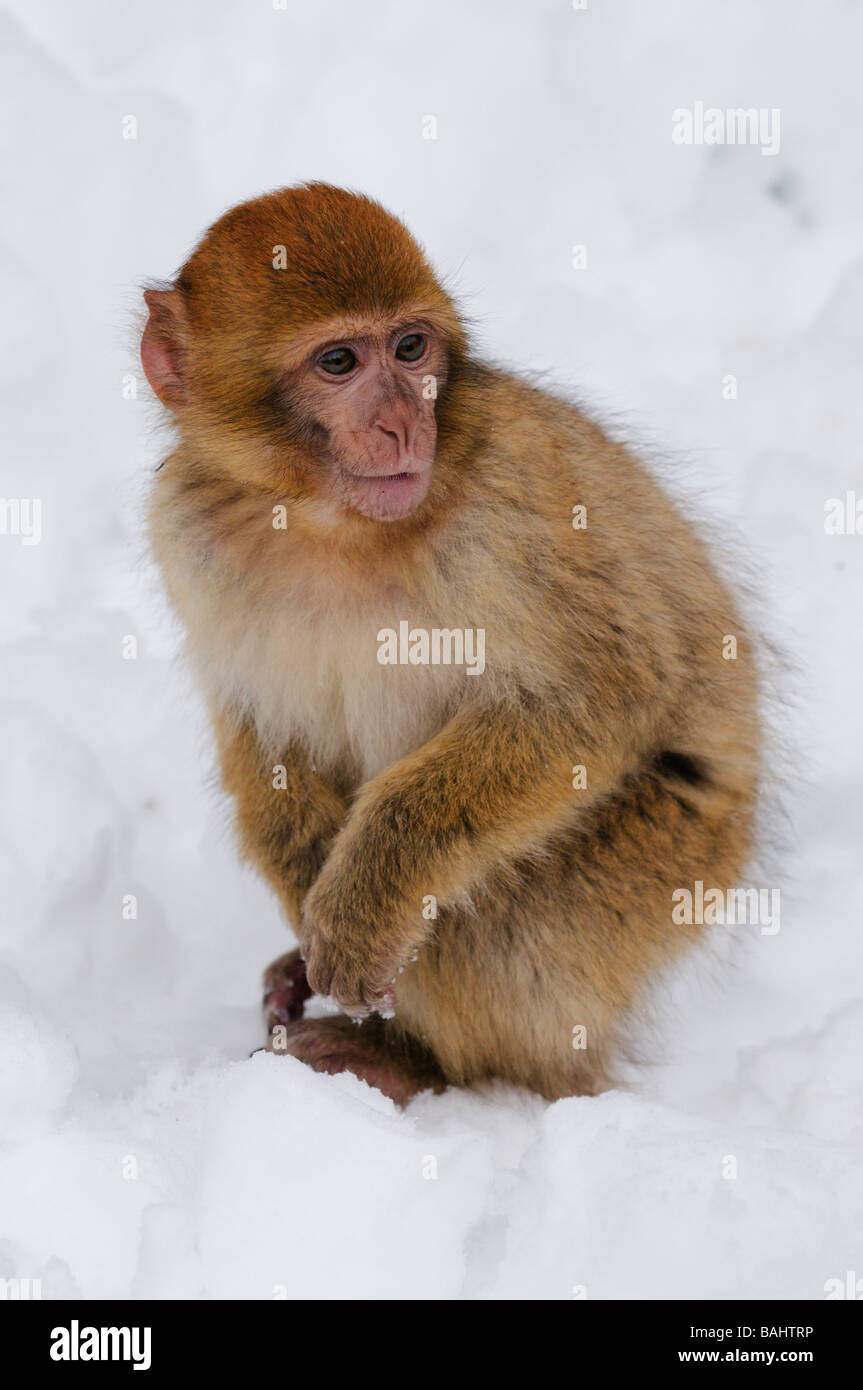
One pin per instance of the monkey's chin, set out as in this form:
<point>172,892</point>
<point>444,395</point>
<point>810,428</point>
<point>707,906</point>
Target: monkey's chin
<point>388,498</point>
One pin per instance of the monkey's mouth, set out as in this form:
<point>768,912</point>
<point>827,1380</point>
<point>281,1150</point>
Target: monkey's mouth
<point>387,496</point>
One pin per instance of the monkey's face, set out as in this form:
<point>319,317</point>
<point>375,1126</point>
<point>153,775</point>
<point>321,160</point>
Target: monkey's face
<point>303,350</point>
<point>362,392</point>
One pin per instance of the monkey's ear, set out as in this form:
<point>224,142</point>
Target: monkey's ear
<point>163,346</point>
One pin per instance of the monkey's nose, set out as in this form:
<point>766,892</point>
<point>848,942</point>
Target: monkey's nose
<point>396,427</point>
<point>398,437</point>
<point>390,441</point>
<point>397,416</point>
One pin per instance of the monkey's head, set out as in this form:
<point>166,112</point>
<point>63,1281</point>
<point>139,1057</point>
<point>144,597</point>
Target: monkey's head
<point>307,348</point>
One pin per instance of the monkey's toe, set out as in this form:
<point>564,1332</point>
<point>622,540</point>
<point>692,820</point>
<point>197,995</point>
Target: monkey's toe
<point>286,990</point>
<point>333,1045</point>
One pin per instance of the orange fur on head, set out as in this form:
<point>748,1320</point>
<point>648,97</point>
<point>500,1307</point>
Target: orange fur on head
<point>272,279</point>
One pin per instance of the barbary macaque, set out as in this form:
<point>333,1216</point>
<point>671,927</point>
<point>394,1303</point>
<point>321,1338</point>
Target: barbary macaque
<point>478,858</point>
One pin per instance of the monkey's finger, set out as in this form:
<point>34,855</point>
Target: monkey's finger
<point>352,994</point>
<point>354,1010</point>
<point>359,999</point>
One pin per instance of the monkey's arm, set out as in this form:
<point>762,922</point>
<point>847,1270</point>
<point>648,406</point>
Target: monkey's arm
<point>285,831</point>
<point>492,783</point>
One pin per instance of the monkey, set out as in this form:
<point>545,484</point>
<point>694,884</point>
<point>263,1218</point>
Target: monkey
<point>478,865</point>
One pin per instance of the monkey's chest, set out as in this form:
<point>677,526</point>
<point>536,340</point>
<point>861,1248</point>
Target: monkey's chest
<point>328,677</point>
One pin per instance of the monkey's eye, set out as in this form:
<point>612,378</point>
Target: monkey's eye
<point>338,361</point>
<point>411,347</point>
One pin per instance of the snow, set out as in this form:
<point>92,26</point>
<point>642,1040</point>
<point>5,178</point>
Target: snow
<point>142,1151</point>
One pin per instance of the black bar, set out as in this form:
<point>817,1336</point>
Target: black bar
<point>272,1339</point>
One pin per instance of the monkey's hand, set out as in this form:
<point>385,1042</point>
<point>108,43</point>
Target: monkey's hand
<point>494,783</point>
<point>349,953</point>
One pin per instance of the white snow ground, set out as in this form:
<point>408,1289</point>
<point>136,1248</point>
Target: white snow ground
<point>141,1152</point>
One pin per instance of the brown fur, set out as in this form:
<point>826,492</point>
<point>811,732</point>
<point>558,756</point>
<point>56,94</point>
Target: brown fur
<point>603,649</point>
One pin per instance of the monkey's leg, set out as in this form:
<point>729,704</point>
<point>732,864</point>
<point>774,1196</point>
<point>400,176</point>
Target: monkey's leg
<point>374,1051</point>
<point>537,982</point>
<point>284,829</point>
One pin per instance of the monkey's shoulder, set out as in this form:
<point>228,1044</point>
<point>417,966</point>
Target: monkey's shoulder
<point>546,469</point>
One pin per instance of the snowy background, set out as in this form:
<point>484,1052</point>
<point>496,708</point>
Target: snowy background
<point>142,1153</point>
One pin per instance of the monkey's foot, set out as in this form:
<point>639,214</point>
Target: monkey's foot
<point>286,990</point>
<point>334,1045</point>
